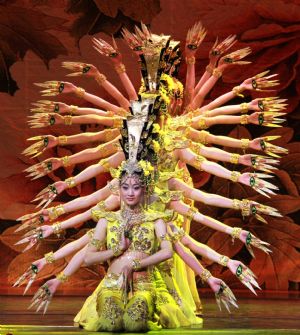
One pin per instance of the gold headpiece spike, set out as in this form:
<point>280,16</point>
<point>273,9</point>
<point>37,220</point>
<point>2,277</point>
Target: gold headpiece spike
<point>146,32</point>
<point>139,33</point>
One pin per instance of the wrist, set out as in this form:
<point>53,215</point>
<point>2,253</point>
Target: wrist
<point>48,258</point>
<point>62,278</point>
<point>235,159</point>
<point>120,68</point>
<point>70,182</point>
<point>136,264</point>
<point>62,140</point>
<point>210,68</point>
<point>235,176</point>
<point>224,260</point>
<point>235,233</point>
<point>237,90</point>
<point>217,72</point>
<point>100,78</point>
<point>190,60</point>
<point>57,228</point>
<point>245,142</point>
<point>205,276</point>
<point>80,92</point>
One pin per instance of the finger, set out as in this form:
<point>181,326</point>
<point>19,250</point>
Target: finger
<point>29,284</point>
<point>24,240</point>
<point>249,286</point>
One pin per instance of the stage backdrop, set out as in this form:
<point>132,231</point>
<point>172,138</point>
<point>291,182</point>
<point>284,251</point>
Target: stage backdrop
<point>36,36</point>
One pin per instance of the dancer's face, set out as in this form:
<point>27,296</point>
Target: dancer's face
<point>131,191</point>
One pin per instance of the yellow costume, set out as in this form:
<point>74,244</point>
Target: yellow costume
<point>147,304</point>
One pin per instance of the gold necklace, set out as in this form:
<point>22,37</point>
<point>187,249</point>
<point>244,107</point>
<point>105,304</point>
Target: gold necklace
<point>131,217</point>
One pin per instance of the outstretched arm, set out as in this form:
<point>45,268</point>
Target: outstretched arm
<point>45,142</point>
<point>194,38</point>
<point>114,54</point>
<point>247,207</point>
<point>253,180</point>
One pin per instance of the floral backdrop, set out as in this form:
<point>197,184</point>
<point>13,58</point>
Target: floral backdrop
<point>36,36</point>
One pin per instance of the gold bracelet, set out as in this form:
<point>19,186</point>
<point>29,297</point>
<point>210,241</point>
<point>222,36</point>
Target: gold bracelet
<point>235,175</point>
<point>245,143</point>
<point>66,161</point>
<point>105,164</point>
<point>163,237</point>
<point>236,232</point>
<point>120,68</point>
<point>244,107</point>
<point>196,147</point>
<point>121,112</point>
<point>217,73</point>
<point>108,135</point>
<point>105,148</point>
<point>237,91</point>
<point>57,228</point>
<point>202,124</point>
<point>245,207</point>
<point>100,79</point>
<point>190,60</point>
<point>198,161</point>
<point>49,257</point>
<point>102,206</point>
<point>68,120</point>
<point>62,140</point>
<point>94,242</point>
<point>191,213</point>
<point>73,109</point>
<point>209,68</point>
<point>202,136</point>
<point>178,235</point>
<point>205,275</point>
<point>80,92</point>
<point>70,182</point>
<point>223,260</point>
<point>188,109</point>
<point>60,210</point>
<point>236,204</point>
<point>116,250</point>
<point>234,158</point>
<point>55,212</point>
<point>136,264</point>
<point>117,123</point>
<point>62,277</point>
<point>244,119</point>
